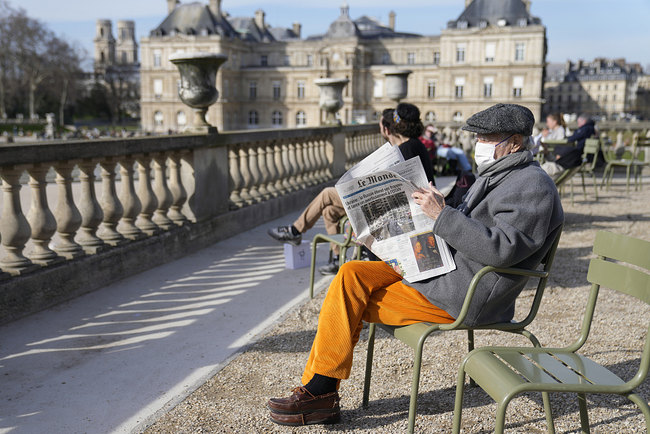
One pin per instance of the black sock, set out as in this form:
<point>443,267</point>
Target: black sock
<point>294,231</point>
<point>321,384</point>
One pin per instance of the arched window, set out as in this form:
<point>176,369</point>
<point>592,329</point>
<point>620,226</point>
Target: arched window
<point>102,57</point>
<point>181,119</point>
<point>276,118</point>
<point>458,117</point>
<point>158,118</point>
<point>253,118</point>
<point>301,118</point>
<point>430,117</point>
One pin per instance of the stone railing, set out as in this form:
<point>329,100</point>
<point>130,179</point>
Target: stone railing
<point>65,201</point>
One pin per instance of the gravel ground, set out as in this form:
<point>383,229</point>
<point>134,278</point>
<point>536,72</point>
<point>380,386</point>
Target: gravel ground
<point>234,400</point>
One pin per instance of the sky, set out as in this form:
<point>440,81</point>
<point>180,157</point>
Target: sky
<point>576,29</point>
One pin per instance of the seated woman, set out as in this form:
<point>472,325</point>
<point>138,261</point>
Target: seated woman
<point>555,130</point>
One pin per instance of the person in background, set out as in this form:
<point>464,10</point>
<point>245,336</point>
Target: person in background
<point>567,157</point>
<point>451,153</point>
<point>428,139</point>
<point>401,127</point>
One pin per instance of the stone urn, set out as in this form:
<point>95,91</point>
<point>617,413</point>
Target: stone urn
<point>331,97</point>
<point>397,84</point>
<point>197,90</point>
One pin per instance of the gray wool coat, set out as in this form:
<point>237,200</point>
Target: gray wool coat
<point>513,225</point>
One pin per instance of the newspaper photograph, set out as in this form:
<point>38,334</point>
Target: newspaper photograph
<point>387,220</point>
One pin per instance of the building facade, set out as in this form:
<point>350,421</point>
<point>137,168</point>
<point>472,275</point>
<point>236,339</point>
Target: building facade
<point>494,52</point>
<point>604,88</point>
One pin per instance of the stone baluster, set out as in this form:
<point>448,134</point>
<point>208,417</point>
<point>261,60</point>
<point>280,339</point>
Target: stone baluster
<point>293,182</point>
<point>263,171</point>
<point>163,195</point>
<point>111,205</point>
<point>68,217</point>
<point>40,218</point>
<point>272,170</point>
<point>300,165</point>
<point>278,160</point>
<point>236,181</point>
<point>348,152</point>
<point>327,171</point>
<point>308,155</point>
<point>178,192</point>
<point>148,201</point>
<point>130,201</point>
<point>247,180</point>
<point>287,169</point>
<point>320,163</point>
<point>14,229</point>
<point>91,212</point>
<point>254,171</point>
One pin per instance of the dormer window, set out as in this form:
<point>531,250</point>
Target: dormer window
<point>522,22</point>
<point>204,32</point>
<point>502,22</point>
<point>482,24</point>
<point>462,24</point>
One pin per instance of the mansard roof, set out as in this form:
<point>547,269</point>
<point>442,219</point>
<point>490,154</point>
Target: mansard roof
<point>194,19</point>
<point>249,31</point>
<point>480,13</point>
<point>364,27</point>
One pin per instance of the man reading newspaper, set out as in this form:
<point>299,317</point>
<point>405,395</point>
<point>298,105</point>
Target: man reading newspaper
<point>509,217</point>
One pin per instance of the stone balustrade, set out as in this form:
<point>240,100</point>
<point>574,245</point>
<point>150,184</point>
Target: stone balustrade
<point>68,200</point>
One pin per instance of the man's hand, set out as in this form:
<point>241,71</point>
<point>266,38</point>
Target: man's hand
<point>430,200</point>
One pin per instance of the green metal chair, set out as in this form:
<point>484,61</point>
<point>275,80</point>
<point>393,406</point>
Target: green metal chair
<point>344,239</point>
<point>627,161</point>
<point>587,167</point>
<point>505,372</point>
<point>415,335</point>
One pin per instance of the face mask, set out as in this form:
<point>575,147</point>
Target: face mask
<point>484,152</point>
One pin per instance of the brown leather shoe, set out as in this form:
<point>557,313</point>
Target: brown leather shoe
<point>303,402</point>
<point>315,417</point>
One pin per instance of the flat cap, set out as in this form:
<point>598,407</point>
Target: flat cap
<point>502,118</point>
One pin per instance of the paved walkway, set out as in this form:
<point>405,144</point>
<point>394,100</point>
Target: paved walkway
<point>114,359</point>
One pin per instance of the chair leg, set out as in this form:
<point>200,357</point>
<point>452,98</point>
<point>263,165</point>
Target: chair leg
<point>458,405</point>
<point>314,243</point>
<point>584,189</point>
<point>470,347</point>
<point>584,415</point>
<point>593,178</point>
<point>627,182</point>
<point>369,355</point>
<point>604,180</point>
<point>500,422</point>
<point>415,385</point>
<point>548,411</point>
<point>342,255</point>
<point>643,406</point>
<point>572,203</point>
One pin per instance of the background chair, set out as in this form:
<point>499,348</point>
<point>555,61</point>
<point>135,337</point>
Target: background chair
<point>344,239</point>
<point>627,161</point>
<point>506,372</point>
<point>415,335</point>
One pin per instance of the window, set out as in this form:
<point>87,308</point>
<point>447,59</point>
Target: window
<point>410,58</point>
<point>430,117</point>
<point>264,60</point>
<point>158,118</point>
<point>522,22</point>
<point>385,59</point>
<point>301,118</point>
<point>378,90</point>
<point>157,88</point>
<point>460,53</point>
<point>460,84</point>
<point>286,61</point>
<point>252,90</point>
<point>614,87</point>
<point>517,86</point>
<point>181,119</point>
<point>310,60</point>
<point>157,56</point>
<point>301,89</point>
<point>178,86</point>
<point>436,57</point>
<point>124,60</point>
<point>613,97</point>
<point>490,52</point>
<point>458,117</point>
<point>277,90</point>
<point>488,84</point>
<point>520,51</point>
<point>276,118</point>
<point>482,24</point>
<point>253,118</point>
<point>431,89</point>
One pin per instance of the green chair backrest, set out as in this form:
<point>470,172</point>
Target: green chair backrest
<point>591,148</point>
<point>617,268</point>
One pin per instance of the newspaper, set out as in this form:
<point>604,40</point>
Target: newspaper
<point>376,195</point>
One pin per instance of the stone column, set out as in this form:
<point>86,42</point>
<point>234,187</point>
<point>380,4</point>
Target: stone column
<point>148,202</point>
<point>179,195</point>
<point>111,205</point>
<point>91,212</point>
<point>68,218</point>
<point>40,218</point>
<point>163,195</point>
<point>130,201</point>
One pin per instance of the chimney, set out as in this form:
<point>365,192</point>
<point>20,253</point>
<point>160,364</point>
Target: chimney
<point>171,5</point>
<point>391,20</point>
<point>215,8</point>
<point>527,3</point>
<point>259,19</point>
<point>297,28</point>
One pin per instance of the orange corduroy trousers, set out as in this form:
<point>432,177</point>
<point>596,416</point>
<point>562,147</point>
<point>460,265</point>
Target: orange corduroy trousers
<point>363,291</point>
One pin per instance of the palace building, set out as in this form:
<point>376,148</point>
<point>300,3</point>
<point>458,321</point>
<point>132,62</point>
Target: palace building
<point>493,52</point>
